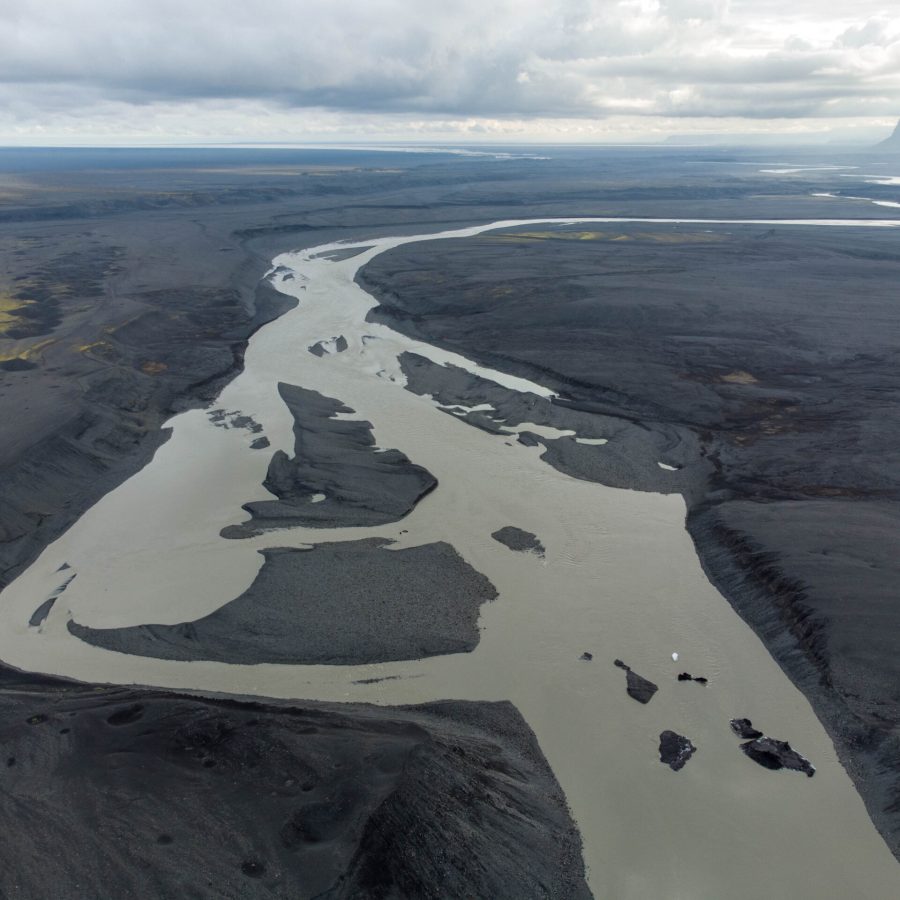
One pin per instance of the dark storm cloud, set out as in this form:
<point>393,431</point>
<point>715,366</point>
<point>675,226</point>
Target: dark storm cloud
<point>556,58</point>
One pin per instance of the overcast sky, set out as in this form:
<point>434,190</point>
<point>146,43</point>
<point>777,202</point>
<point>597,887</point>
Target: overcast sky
<point>139,71</point>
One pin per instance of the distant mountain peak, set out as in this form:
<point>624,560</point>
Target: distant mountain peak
<point>893,142</point>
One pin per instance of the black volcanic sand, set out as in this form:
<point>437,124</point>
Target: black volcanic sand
<point>637,687</point>
<point>133,280</point>
<point>336,604</point>
<point>675,750</point>
<point>104,401</point>
<point>143,270</point>
<point>630,459</point>
<point>138,274</point>
<point>519,540</point>
<point>774,754</point>
<point>744,728</point>
<point>765,361</point>
<point>338,458</point>
<point>319,349</point>
<point>114,793</point>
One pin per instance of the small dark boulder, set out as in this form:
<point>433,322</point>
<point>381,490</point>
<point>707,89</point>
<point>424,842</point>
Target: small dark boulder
<point>519,540</point>
<point>587,656</point>
<point>774,754</point>
<point>259,444</point>
<point>686,676</point>
<point>638,688</point>
<point>744,728</point>
<point>675,750</point>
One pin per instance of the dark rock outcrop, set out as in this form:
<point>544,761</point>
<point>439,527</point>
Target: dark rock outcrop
<point>319,349</point>
<point>675,750</point>
<point>638,688</point>
<point>519,540</point>
<point>774,754</point>
<point>743,728</point>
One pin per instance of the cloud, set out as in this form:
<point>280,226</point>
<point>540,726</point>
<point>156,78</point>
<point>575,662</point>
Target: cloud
<point>396,59</point>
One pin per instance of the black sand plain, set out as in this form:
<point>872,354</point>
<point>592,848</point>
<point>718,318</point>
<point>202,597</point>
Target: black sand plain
<point>130,279</point>
<point>120,793</point>
<point>760,364</point>
<point>315,607</point>
<point>130,284</point>
<point>337,476</point>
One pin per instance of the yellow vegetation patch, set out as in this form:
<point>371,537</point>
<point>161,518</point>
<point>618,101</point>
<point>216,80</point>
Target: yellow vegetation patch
<point>655,237</point>
<point>112,329</point>
<point>684,237</point>
<point>96,348</point>
<point>59,289</point>
<point>9,306</point>
<point>553,235</point>
<point>583,235</point>
<point>739,377</point>
<point>21,350</point>
<point>12,304</point>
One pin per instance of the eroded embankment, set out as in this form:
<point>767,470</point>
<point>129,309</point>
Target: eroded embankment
<point>152,793</point>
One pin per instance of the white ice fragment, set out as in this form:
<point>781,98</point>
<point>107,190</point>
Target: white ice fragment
<point>674,657</point>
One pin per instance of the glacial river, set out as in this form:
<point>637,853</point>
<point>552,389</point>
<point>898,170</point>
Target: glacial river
<point>620,579</point>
